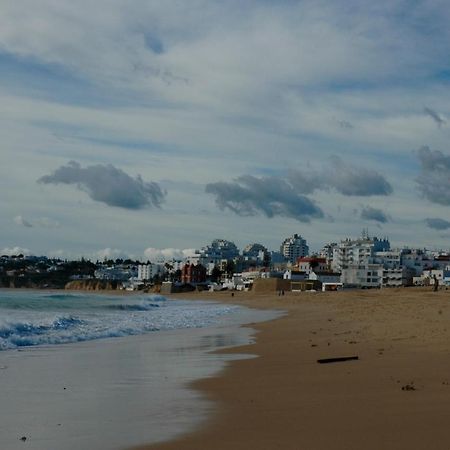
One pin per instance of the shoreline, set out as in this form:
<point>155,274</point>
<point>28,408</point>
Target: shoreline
<point>396,396</point>
<point>119,391</point>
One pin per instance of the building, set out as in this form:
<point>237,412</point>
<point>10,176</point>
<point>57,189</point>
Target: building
<point>193,274</point>
<point>397,277</point>
<point>294,247</point>
<point>365,276</point>
<point>150,271</point>
<point>416,259</point>
<point>312,263</point>
<point>357,252</point>
<point>216,254</point>
<point>391,259</point>
<point>255,255</point>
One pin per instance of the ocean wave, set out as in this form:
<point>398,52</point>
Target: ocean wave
<point>105,317</point>
<point>136,307</point>
<point>28,328</point>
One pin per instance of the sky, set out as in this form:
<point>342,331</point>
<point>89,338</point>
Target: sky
<point>152,127</point>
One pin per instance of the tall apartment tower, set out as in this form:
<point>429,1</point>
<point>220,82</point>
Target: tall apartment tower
<point>294,247</point>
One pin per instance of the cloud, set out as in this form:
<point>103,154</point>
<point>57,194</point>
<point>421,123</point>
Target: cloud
<point>435,116</point>
<point>19,220</point>
<point>377,215</point>
<point>15,251</point>
<point>305,182</point>
<point>271,196</point>
<point>46,222</point>
<point>437,224</point>
<point>110,253</point>
<point>164,254</point>
<point>108,184</point>
<point>43,222</point>
<point>434,179</point>
<point>352,180</point>
<point>345,178</point>
<point>345,124</point>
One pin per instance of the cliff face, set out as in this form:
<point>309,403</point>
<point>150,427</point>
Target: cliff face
<point>91,285</point>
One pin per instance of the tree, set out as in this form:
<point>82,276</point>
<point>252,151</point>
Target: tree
<point>230,267</point>
<point>216,273</point>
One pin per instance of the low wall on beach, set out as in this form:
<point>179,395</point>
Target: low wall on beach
<point>267,285</point>
<point>92,285</point>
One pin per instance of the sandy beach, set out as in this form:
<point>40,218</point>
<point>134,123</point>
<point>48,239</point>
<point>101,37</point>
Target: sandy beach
<point>395,396</point>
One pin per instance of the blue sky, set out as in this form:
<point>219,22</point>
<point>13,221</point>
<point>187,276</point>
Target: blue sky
<point>233,111</point>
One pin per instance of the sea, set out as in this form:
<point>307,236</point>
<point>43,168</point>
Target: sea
<point>109,372</point>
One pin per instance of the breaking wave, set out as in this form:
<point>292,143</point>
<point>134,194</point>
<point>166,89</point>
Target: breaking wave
<point>36,319</point>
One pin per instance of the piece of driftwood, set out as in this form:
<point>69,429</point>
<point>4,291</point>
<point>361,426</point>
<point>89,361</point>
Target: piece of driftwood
<point>338,359</point>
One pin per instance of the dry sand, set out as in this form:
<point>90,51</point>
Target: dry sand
<point>396,396</point>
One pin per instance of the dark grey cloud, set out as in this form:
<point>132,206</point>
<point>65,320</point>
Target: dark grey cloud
<point>249,195</point>
<point>345,124</point>
<point>305,182</point>
<point>108,184</point>
<point>435,116</point>
<point>345,178</point>
<point>434,179</point>
<point>352,180</point>
<point>377,215</point>
<point>437,224</point>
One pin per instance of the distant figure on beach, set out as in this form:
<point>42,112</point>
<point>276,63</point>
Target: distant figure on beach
<point>435,284</point>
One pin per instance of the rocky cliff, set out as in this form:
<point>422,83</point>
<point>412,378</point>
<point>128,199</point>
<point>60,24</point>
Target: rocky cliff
<point>92,285</point>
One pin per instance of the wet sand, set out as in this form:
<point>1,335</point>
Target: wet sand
<point>396,396</point>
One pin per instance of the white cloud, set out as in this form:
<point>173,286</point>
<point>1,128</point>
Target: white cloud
<point>110,253</point>
<point>10,251</point>
<point>42,222</point>
<point>164,254</point>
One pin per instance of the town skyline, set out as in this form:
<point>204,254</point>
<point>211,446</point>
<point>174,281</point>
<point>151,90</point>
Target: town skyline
<point>167,125</point>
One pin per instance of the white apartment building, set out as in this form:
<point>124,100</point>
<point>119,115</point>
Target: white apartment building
<point>294,247</point>
<point>357,252</point>
<point>391,259</point>
<point>418,260</point>
<point>149,271</point>
<point>366,276</point>
<point>397,277</point>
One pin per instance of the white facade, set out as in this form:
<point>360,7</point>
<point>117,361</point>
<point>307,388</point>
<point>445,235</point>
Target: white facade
<point>309,265</point>
<point>397,277</point>
<point>325,277</point>
<point>368,276</point>
<point>391,259</point>
<point>294,276</point>
<point>149,271</point>
<point>357,252</point>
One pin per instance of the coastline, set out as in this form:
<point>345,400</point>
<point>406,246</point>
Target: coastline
<point>111,392</point>
<point>396,396</point>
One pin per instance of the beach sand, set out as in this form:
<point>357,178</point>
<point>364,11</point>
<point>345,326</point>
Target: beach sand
<point>396,396</point>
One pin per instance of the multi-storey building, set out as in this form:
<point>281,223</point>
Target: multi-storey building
<point>294,247</point>
<point>357,252</point>
<point>192,273</point>
<point>149,271</point>
<point>255,255</point>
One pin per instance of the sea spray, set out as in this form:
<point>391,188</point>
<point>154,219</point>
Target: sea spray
<point>30,318</point>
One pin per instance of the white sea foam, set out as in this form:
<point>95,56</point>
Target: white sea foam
<point>30,319</point>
